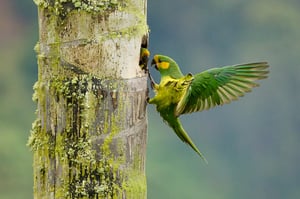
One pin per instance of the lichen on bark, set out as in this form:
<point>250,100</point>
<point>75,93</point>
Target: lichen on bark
<point>84,138</point>
<point>63,7</point>
<point>89,137</point>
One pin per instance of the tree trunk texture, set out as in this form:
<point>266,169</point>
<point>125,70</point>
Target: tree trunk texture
<point>89,138</point>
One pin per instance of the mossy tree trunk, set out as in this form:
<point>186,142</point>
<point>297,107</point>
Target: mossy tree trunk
<point>89,138</point>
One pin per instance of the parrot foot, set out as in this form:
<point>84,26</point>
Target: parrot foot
<point>152,82</point>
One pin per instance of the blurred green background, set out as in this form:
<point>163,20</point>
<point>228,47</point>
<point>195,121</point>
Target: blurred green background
<point>252,145</point>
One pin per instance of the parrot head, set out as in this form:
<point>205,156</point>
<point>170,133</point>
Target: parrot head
<point>166,66</point>
<point>144,57</point>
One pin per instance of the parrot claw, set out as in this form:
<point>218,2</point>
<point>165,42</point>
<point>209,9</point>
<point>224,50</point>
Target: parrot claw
<point>152,82</point>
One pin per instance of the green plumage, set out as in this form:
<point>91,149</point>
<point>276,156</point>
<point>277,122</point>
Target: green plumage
<point>177,94</point>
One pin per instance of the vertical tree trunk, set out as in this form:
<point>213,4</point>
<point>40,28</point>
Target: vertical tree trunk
<point>89,138</point>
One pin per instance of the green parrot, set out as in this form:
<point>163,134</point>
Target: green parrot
<point>177,94</point>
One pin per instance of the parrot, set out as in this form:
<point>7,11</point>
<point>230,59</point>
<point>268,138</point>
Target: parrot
<point>144,57</point>
<point>178,94</point>
<point>143,63</point>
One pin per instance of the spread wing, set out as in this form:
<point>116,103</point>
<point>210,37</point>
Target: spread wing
<point>220,86</point>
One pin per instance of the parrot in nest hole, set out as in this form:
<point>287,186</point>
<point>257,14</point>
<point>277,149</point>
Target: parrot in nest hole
<point>178,94</point>
<point>144,57</point>
<point>143,63</point>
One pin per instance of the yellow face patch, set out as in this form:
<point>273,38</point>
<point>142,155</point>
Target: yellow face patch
<point>155,58</point>
<point>163,65</point>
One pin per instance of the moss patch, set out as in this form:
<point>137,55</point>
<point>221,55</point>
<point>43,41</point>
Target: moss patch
<point>78,152</point>
<point>63,7</point>
<point>87,169</point>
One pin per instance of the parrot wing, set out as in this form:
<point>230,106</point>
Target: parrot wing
<point>220,86</point>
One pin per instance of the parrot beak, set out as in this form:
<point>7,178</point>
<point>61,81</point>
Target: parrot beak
<point>154,63</point>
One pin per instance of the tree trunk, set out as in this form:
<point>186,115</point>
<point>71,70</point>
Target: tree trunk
<point>89,138</point>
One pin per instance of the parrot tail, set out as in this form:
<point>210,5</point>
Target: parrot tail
<point>175,124</point>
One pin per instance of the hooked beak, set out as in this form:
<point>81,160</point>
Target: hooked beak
<point>154,63</point>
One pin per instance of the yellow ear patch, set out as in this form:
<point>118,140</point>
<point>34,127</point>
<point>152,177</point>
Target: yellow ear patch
<point>164,65</point>
<point>155,58</point>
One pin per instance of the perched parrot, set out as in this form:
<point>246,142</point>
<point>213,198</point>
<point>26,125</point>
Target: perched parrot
<point>177,94</point>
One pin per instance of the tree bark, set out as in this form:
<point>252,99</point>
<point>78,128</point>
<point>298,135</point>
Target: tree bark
<point>89,138</point>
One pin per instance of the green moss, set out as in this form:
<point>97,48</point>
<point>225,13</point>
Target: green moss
<point>136,186</point>
<point>84,174</point>
<point>63,7</point>
<point>63,136</point>
<point>34,141</point>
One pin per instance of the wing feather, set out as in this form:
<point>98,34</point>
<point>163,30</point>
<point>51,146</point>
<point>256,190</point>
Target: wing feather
<point>220,86</point>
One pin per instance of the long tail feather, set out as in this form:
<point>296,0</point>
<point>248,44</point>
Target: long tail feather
<point>182,134</point>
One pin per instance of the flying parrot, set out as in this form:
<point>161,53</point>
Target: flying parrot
<point>178,94</point>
